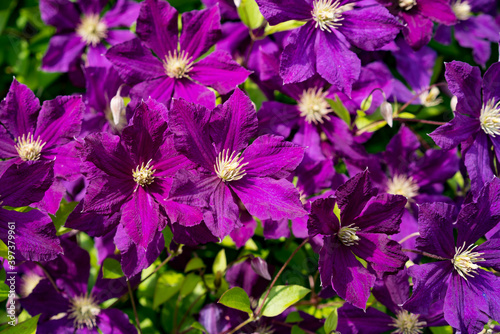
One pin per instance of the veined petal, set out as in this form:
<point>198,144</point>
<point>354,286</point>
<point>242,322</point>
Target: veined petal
<point>353,195</point>
<point>322,220</point>
<point>123,14</point>
<point>114,321</point>
<point>479,162</point>
<point>157,27</point>
<point>285,10</point>
<point>381,214</point>
<point>418,29</point>
<point>438,10</point>
<point>223,214</point>
<point>277,118</point>
<point>160,89</point>
<point>464,81</point>
<point>107,195</point>
<point>233,123</point>
<point>271,156</point>
<point>63,50</point>
<point>458,130</point>
<point>491,89</point>
<point>194,92</point>
<point>200,30</point>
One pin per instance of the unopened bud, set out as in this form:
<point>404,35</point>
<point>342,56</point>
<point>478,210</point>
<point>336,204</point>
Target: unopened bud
<point>117,106</point>
<point>386,112</point>
<point>453,103</point>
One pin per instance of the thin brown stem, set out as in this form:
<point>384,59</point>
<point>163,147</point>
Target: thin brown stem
<point>424,253</point>
<point>134,307</point>
<point>278,275</point>
<point>415,120</point>
<point>184,317</point>
<point>51,280</point>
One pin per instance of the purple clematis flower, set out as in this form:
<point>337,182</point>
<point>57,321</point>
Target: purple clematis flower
<point>214,140</point>
<point>80,26</point>
<point>34,233</point>
<point>132,174</point>
<point>73,309</point>
<point>477,120</point>
<point>418,16</point>
<point>227,8</point>
<point>176,71</point>
<point>470,293</point>
<point>366,218</point>
<point>322,44</point>
<point>31,133</point>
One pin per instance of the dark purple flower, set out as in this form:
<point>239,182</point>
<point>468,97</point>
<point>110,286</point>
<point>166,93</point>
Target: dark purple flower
<point>32,133</point>
<point>80,26</point>
<point>176,71</point>
<point>132,174</point>
<point>32,232</point>
<point>322,44</point>
<point>418,16</point>
<point>73,309</point>
<point>470,293</point>
<point>360,229</point>
<point>477,120</point>
<point>214,140</point>
<point>227,8</point>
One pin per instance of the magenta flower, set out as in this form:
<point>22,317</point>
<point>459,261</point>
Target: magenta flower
<point>366,218</point>
<point>458,278</point>
<point>214,140</point>
<point>132,174</point>
<point>477,120</point>
<point>322,44</point>
<point>80,26</point>
<point>175,72</point>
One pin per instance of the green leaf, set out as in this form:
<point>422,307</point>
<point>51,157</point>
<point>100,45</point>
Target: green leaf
<point>339,108</point>
<point>189,284</point>
<point>168,236</point>
<point>282,297</point>
<point>220,262</point>
<point>111,268</point>
<point>26,327</point>
<point>367,103</point>
<point>193,264</point>
<point>331,322</point>
<point>62,214</point>
<point>255,93</point>
<point>4,251</point>
<point>236,298</point>
<point>249,13</point>
<point>198,326</point>
<point>283,26</point>
<point>4,291</point>
<point>297,330</point>
<point>168,284</point>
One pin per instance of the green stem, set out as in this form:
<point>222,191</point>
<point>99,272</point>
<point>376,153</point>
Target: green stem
<point>134,307</point>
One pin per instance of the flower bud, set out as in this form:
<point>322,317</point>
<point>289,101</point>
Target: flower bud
<point>386,112</point>
<point>117,106</point>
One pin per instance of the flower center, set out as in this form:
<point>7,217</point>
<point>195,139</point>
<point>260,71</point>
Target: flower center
<point>229,167</point>
<point>177,65</point>
<point>144,175</point>
<point>407,4</point>
<point>464,260</point>
<point>403,185</point>
<point>30,281</point>
<point>490,118</point>
<point>347,235</point>
<point>429,98</point>
<point>92,30</point>
<point>328,13</point>
<point>28,148</point>
<point>407,323</point>
<point>313,105</point>
<point>84,310</point>
<point>462,10</point>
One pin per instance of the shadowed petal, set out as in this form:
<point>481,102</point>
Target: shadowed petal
<point>322,220</point>
<point>114,321</point>
<point>62,14</point>
<point>124,13</point>
<point>63,50</point>
<point>464,81</point>
<point>160,89</point>
<point>356,321</point>
<point>458,130</point>
<point>284,10</point>
<point>381,214</point>
<point>193,92</point>
<point>491,88</point>
<point>479,162</point>
<point>418,30</point>
<point>353,195</point>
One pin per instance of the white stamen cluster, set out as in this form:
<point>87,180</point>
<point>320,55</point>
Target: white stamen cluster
<point>347,235</point>
<point>403,185</point>
<point>429,98</point>
<point>313,105</point>
<point>407,323</point>
<point>84,310</point>
<point>465,260</point>
<point>28,148</point>
<point>462,10</point>
<point>92,30</point>
<point>177,64</point>
<point>407,4</point>
<point>229,167</point>
<point>144,174</point>
<point>490,118</point>
<point>328,13</point>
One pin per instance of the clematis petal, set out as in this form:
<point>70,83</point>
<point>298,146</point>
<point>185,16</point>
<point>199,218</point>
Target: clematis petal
<point>479,162</point>
<point>353,195</point>
<point>381,214</point>
<point>62,14</point>
<point>372,321</point>
<point>491,89</point>
<point>63,50</point>
<point>200,30</point>
<point>464,81</point>
<point>223,214</point>
<point>114,321</point>
<point>285,10</point>
<point>194,92</point>
<point>458,130</point>
<point>322,219</point>
<point>123,14</point>
<point>160,89</point>
<point>418,30</point>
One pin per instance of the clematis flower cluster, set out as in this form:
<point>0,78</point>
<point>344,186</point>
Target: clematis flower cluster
<point>258,166</point>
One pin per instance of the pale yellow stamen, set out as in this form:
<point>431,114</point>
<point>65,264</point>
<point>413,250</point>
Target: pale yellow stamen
<point>177,65</point>
<point>92,30</point>
<point>313,105</point>
<point>407,323</point>
<point>347,235</point>
<point>229,167</point>
<point>407,4</point>
<point>28,148</point>
<point>328,14</point>
<point>429,98</point>
<point>403,185</point>
<point>144,175</point>
<point>490,118</point>
<point>462,10</point>
<point>464,260</point>
<point>84,310</point>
